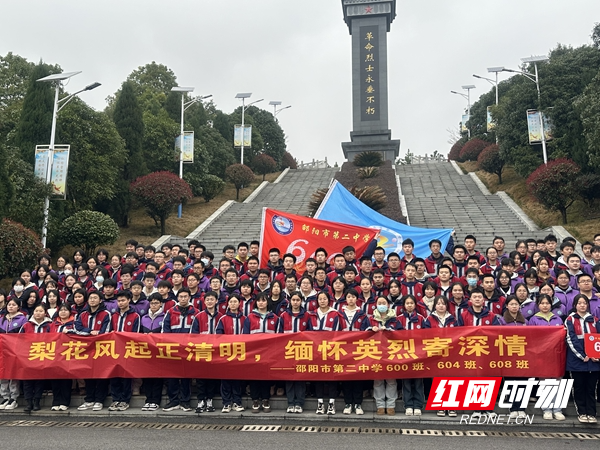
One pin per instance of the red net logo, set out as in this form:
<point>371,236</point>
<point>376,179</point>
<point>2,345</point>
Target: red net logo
<point>464,393</point>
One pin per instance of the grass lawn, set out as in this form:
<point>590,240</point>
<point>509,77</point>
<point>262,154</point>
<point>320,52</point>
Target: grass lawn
<point>583,221</point>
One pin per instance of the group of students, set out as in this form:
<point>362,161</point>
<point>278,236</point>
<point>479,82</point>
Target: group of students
<point>177,290</point>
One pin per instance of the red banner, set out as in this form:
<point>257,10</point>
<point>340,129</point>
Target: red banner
<point>591,344</point>
<point>448,352</point>
<point>301,236</point>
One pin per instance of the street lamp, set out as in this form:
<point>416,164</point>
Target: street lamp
<point>495,83</point>
<point>536,80</point>
<point>184,106</point>
<point>276,111</point>
<point>468,87</point>
<point>244,96</point>
<point>57,80</point>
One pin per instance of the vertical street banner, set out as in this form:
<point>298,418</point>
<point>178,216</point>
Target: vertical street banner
<point>187,153</point>
<point>463,124</point>
<point>246,136</point>
<point>534,127</point>
<point>301,236</point>
<point>491,125</point>
<point>59,167</point>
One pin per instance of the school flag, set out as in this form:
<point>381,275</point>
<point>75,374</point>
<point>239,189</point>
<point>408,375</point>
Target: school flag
<point>301,236</point>
<point>341,205</point>
<point>489,351</point>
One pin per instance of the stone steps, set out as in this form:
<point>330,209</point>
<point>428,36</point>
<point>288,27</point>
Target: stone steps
<point>241,222</point>
<point>438,197</point>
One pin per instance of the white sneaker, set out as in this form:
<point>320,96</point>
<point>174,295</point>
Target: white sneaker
<point>559,416</point>
<point>452,414</point>
<point>331,409</point>
<point>441,413</point>
<point>4,403</point>
<point>347,409</point>
<point>97,406</point>
<point>54,408</point>
<point>513,414</point>
<point>583,418</point>
<point>592,419</point>
<point>145,407</point>
<point>226,409</point>
<point>114,406</point>
<point>86,405</point>
<point>290,410</point>
<point>237,407</point>
<point>547,415</point>
<point>12,404</point>
<point>358,410</point>
<point>409,412</point>
<point>63,407</point>
<point>320,408</point>
<point>298,409</point>
<point>417,412</point>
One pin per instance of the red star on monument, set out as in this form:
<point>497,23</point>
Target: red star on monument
<point>368,9</point>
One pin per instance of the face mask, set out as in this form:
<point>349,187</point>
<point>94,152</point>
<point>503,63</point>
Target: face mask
<point>68,272</point>
<point>382,308</point>
<point>19,288</point>
<point>472,281</point>
<point>99,279</point>
<point>205,261</point>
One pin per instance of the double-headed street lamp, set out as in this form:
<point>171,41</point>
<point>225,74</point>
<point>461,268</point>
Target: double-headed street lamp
<point>275,104</point>
<point>468,88</point>
<point>535,79</point>
<point>57,79</point>
<point>244,96</point>
<point>184,105</point>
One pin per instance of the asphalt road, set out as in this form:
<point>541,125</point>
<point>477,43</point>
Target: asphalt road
<point>81,439</point>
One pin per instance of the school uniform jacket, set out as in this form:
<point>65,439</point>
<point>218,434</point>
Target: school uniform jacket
<point>12,325</point>
<point>434,321</point>
<point>128,321</point>
<point>332,320</point>
<point>179,320</point>
<point>88,321</point>
<point>205,322</point>
<point>577,327</point>
<point>470,318</point>
<point>153,323</point>
<point>255,323</point>
<point>33,327</point>
<point>231,323</point>
<point>290,322</point>
<point>357,322</point>
<point>59,327</point>
<point>411,321</point>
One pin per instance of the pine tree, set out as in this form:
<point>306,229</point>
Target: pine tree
<point>36,117</point>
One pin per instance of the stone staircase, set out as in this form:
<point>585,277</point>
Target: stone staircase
<point>241,221</point>
<point>438,197</point>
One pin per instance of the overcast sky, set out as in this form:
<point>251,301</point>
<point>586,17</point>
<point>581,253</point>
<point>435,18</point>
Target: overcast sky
<point>298,52</point>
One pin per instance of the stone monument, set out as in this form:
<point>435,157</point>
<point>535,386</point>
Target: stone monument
<point>369,22</point>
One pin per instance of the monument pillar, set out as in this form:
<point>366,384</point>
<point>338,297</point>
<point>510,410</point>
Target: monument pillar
<point>369,22</point>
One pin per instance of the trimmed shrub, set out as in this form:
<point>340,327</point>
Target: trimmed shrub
<point>368,159</point>
<point>554,185</point>
<point>240,175</point>
<point>212,186</point>
<point>471,150</point>
<point>264,164</point>
<point>160,193</point>
<point>88,230</point>
<point>455,150</point>
<point>490,161</point>
<point>288,161</point>
<point>19,248</point>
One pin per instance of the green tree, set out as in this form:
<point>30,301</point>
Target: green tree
<point>588,107</point>
<point>89,230</point>
<point>219,152</point>
<point>159,141</point>
<point>15,73</point>
<point>153,76</point>
<point>97,155</point>
<point>19,248</point>
<point>211,187</point>
<point>264,164</point>
<point>271,133</point>
<point>35,121</point>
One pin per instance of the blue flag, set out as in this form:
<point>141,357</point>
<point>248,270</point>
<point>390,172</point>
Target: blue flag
<point>341,206</point>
